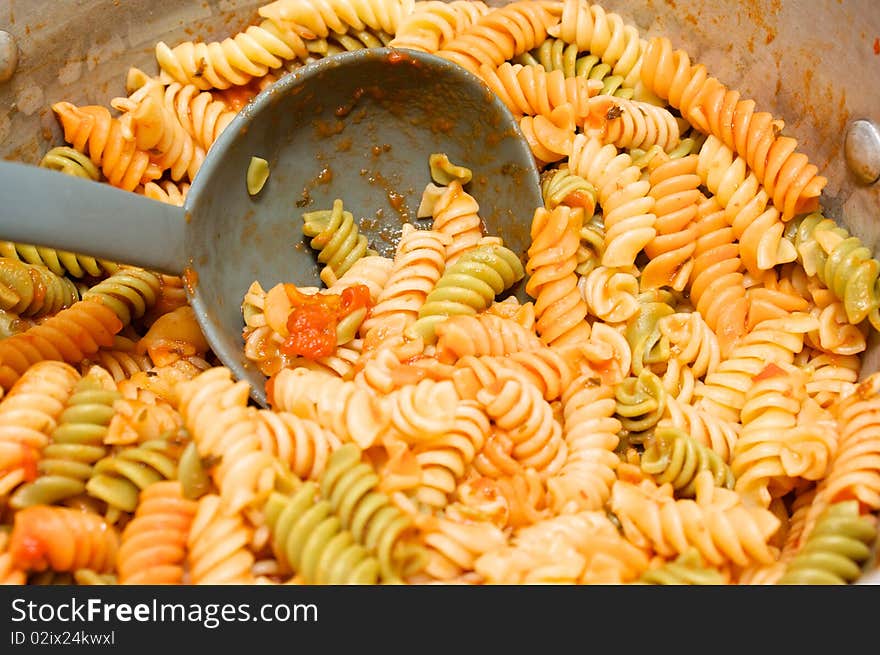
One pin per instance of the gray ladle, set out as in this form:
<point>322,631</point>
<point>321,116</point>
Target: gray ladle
<point>359,126</point>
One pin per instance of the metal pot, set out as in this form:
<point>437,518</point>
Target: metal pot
<point>814,63</point>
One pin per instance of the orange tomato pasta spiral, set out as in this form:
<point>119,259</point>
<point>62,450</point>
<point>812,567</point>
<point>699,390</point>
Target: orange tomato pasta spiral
<point>500,35</point>
<point>675,189</point>
<point>9,573</point>
<point>455,215</point>
<point>29,413</point>
<point>93,131</point>
<point>63,540</point>
<point>550,371</point>
<point>432,23</point>
<point>153,548</point>
<point>455,541</point>
<point>550,137</point>
<point>559,308</point>
<point>532,91</point>
<point>418,264</point>
<point>516,406</point>
<point>590,430</point>
<point>167,191</point>
<point>483,334</point>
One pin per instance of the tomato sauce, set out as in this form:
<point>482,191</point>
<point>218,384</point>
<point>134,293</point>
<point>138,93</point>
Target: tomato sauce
<point>313,319</point>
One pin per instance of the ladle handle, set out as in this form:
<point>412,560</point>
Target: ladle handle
<point>43,207</point>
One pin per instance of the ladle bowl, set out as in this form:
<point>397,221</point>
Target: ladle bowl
<point>359,126</point>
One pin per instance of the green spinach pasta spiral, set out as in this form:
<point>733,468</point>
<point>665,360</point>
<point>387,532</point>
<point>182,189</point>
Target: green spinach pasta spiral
<point>671,455</point>
<point>66,463</point>
<point>129,292</point>
<point>469,286</point>
<point>33,290</point>
<point>335,235</point>
<point>835,549</point>
<point>641,402</point>
<point>310,540</point>
<point>119,478</point>
<point>686,569</point>
<point>842,262</point>
<point>350,487</point>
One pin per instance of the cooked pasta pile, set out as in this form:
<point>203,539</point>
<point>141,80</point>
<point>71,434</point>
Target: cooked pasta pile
<point>680,402</point>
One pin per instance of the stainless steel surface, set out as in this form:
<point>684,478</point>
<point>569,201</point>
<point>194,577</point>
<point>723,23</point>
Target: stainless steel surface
<point>814,63</point>
<point>862,150</point>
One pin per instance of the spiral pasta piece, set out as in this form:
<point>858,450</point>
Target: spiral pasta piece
<point>32,291</point>
<point>562,187</point>
<point>215,411</point>
<point>686,569</point>
<point>483,334</point>
<point>606,36</point>
<point>623,195</point>
<point>217,546</point>
<point>93,131</point>
<point>167,191</point>
<point>788,177</point>
<point>555,54</point>
<point>833,552</point>
<point>301,443</point>
<point>533,91</point>
<point>671,455</point>
<point>630,124</point>
<point>641,402</point>
<point>71,162</point>
<point>28,415</point>
<point>703,426</point>
<point>517,407</point>
<point>500,35</point>
<point>717,523</point>
<point>335,236</point>
<point>75,444</point>
<point>236,60</point>
<point>579,548</point>
<point>468,287</point>
<point>153,545</point>
<point>842,263</point>
<point>674,187</point>
<point>590,431</point>
<point>424,411</point>
<point>774,341</point>
<point>343,407</point>
<point>559,308</point>
<point>69,336</point>
<point>432,23</point>
<point>418,265</point>
<point>324,16</point>
<point>60,262</point>
<point>455,214</point>
<point>610,294</point>
<point>350,487</point>
<point>200,113</point>
<point>118,478</point>
<point>62,539</point>
<point>121,360</point>
<point>129,292</point>
<point>445,459</point>
<point>546,368</point>
<point>157,130</point>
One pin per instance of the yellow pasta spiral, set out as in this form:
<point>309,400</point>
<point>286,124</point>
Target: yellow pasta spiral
<point>320,17</point>
<point>217,546</point>
<point>455,214</point>
<point>433,23</point>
